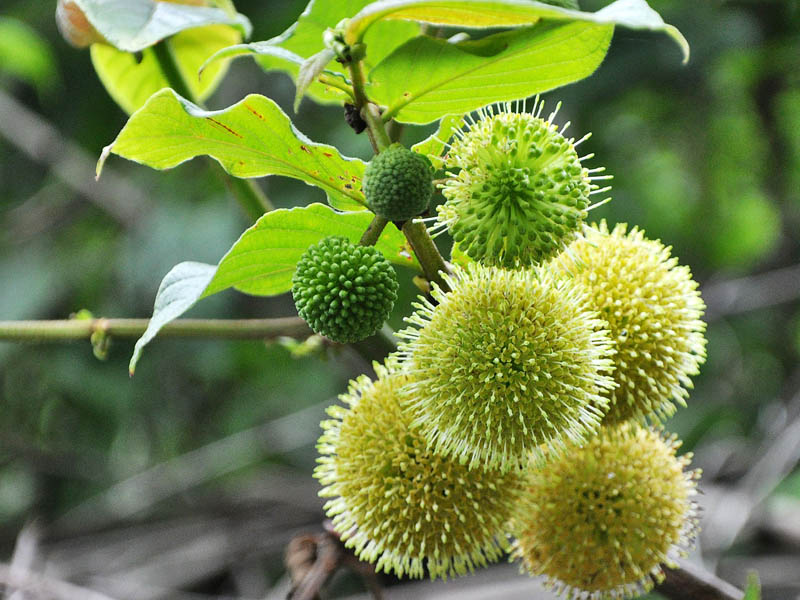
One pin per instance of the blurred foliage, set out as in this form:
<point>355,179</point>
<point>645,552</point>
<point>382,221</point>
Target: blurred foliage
<point>705,157</point>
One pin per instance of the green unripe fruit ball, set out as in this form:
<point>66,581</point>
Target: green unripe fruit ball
<point>344,291</point>
<point>398,183</point>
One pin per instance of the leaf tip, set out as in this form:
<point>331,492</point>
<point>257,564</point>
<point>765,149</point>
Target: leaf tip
<point>677,36</point>
<point>102,160</point>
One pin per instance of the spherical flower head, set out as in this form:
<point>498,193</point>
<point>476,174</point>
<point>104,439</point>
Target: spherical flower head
<point>521,193</point>
<point>653,310</point>
<point>600,520</point>
<point>344,291</point>
<point>398,183</point>
<point>396,503</point>
<point>508,360</point>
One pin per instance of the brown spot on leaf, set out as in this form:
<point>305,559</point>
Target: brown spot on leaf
<point>304,149</point>
<point>254,111</point>
<point>225,127</point>
<point>328,154</point>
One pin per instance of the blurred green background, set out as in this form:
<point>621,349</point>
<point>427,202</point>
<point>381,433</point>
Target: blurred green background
<point>189,479</point>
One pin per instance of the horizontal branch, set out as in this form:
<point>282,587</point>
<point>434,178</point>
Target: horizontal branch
<point>79,329</point>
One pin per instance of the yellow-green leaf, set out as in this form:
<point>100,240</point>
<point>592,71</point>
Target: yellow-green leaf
<point>428,78</point>
<point>252,138</point>
<point>130,82</point>
<point>303,39</point>
<point>433,147</point>
<point>635,14</point>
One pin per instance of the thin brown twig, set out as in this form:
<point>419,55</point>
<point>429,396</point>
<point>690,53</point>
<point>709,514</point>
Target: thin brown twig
<point>313,559</point>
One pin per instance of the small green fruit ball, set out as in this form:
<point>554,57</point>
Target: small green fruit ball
<point>600,520</point>
<point>506,362</point>
<point>398,183</point>
<point>396,503</point>
<point>653,310</point>
<point>342,290</point>
<point>520,193</point>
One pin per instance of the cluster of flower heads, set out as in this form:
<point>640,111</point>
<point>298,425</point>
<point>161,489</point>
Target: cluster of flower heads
<point>524,401</point>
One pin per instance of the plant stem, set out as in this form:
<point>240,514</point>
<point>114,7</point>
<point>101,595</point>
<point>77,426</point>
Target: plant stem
<point>170,70</point>
<point>374,231</point>
<point>433,264</point>
<point>252,199</point>
<point>78,329</point>
<point>250,196</point>
<point>372,115</point>
<point>369,112</point>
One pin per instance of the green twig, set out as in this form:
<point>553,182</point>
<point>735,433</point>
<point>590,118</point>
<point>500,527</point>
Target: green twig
<point>433,265</point>
<point>252,199</point>
<point>372,116</point>
<point>427,253</point>
<point>79,329</point>
<point>171,71</point>
<point>369,112</point>
<point>374,231</point>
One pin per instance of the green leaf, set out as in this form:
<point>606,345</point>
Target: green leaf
<point>309,71</point>
<point>252,138</point>
<point>332,86</point>
<point>635,14</point>
<point>304,39</point>
<point>26,55</point>
<point>428,78</point>
<point>434,146</point>
<point>753,591</point>
<point>263,260</point>
<point>130,82</point>
<point>133,25</point>
<point>182,287</point>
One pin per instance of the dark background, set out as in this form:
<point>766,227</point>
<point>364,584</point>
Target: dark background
<point>188,480</point>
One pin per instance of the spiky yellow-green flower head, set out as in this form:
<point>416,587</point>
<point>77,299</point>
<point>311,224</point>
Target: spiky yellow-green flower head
<point>600,520</point>
<point>506,361</point>
<point>653,309</point>
<point>396,503</point>
<point>520,193</point>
